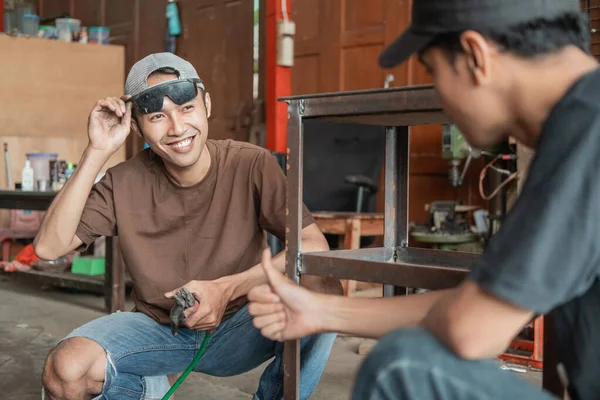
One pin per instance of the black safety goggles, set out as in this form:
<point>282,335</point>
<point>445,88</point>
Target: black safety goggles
<point>179,91</point>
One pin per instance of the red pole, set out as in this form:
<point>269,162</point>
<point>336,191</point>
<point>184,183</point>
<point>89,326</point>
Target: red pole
<point>278,82</point>
<point>1,15</point>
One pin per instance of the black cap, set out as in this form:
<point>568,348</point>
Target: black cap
<point>433,17</point>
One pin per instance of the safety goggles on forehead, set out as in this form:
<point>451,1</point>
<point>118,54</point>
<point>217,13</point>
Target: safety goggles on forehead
<point>179,91</point>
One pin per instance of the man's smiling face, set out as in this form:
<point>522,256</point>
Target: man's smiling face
<point>177,133</point>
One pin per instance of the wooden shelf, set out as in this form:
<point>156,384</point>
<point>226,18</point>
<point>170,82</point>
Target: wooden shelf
<point>93,284</point>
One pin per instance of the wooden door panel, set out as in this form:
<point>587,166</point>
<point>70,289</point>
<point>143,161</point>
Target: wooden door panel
<point>218,41</point>
<point>362,39</point>
<point>306,74</point>
<point>397,14</point>
<point>120,11</point>
<point>360,69</point>
<point>308,46</point>
<point>88,11</point>
<point>361,14</point>
<point>306,16</point>
<point>152,14</point>
<point>120,19</point>
<point>592,7</point>
<point>54,8</point>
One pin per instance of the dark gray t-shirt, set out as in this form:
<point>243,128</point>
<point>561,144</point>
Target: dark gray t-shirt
<point>546,255</point>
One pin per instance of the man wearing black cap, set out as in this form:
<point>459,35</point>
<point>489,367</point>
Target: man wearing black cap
<point>500,68</point>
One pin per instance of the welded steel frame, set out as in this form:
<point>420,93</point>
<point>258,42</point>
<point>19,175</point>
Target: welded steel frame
<point>396,265</point>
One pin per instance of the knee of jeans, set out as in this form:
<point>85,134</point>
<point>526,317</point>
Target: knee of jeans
<point>72,363</point>
<point>404,344</point>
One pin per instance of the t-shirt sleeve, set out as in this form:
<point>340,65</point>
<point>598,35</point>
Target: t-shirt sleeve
<point>271,192</point>
<point>545,254</point>
<point>98,217</point>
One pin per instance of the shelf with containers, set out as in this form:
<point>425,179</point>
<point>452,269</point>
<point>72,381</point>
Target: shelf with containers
<point>45,119</point>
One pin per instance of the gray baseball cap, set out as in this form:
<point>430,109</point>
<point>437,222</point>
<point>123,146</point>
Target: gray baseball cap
<point>137,79</point>
<point>434,17</point>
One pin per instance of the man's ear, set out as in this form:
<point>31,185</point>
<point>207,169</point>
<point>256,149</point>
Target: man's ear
<point>207,104</point>
<point>135,127</point>
<point>479,56</point>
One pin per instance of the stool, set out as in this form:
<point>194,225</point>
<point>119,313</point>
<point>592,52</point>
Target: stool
<point>351,226</point>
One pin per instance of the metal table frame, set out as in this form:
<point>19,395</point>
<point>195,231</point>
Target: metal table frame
<point>113,285</point>
<point>396,265</point>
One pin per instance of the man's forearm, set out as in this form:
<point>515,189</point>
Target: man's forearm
<point>240,284</point>
<point>56,236</point>
<point>374,317</point>
<point>243,282</point>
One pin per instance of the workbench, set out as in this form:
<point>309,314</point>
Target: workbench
<point>396,265</point>
<point>112,285</point>
<point>350,227</point>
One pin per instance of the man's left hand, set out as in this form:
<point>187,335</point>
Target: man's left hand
<point>212,298</point>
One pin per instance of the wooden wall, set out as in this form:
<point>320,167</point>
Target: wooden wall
<point>137,25</point>
<point>337,46</point>
<point>217,39</point>
<point>49,89</point>
<point>592,7</point>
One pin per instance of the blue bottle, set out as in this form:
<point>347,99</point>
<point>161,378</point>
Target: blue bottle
<point>173,18</point>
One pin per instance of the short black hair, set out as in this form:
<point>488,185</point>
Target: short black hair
<point>529,39</point>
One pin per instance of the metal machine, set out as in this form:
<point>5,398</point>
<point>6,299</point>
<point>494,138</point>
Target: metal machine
<point>455,149</point>
<point>448,226</point>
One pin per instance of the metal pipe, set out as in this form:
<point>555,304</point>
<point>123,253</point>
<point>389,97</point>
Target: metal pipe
<point>293,238</point>
<point>396,194</point>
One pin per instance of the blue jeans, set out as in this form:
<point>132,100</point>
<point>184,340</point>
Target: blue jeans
<point>411,363</point>
<point>141,352</point>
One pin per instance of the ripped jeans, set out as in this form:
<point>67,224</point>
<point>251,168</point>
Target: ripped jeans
<point>142,352</point>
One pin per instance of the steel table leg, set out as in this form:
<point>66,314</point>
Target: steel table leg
<point>114,277</point>
<point>293,245</point>
<point>396,194</point>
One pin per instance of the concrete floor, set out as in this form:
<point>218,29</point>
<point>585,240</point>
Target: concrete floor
<point>33,320</point>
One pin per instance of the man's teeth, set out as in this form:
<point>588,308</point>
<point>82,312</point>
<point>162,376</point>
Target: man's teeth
<point>183,143</point>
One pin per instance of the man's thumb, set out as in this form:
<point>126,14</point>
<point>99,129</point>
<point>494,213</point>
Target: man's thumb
<point>274,277</point>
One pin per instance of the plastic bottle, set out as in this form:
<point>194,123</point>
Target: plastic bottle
<point>27,179</point>
<point>83,35</point>
<point>173,23</point>
<point>69,171</point>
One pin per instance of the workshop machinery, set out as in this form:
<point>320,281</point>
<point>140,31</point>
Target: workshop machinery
<point>449,226</point>
<point>397,265</point>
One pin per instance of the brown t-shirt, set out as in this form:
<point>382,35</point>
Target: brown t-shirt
<point>170,235</point>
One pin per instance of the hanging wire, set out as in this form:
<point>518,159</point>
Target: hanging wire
<point>482,175</point>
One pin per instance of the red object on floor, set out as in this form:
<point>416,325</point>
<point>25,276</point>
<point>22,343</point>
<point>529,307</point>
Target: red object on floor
<point>22,261</point>
<point>2,16</point>
<point>278,82</point>
<point>27,255</point>
<point>536,347</point>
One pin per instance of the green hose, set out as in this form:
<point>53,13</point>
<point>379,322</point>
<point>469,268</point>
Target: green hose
<point>189,368</point>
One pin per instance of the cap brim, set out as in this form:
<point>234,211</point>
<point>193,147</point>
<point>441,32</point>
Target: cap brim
<point>402,48</point>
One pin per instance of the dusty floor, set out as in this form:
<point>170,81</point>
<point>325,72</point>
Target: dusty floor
<point>33,320</point>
